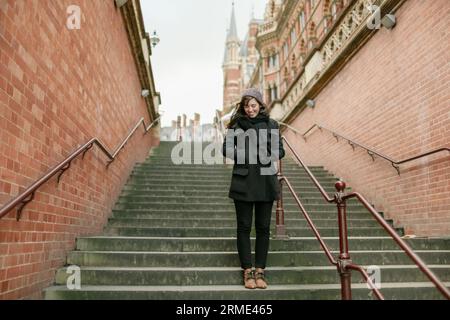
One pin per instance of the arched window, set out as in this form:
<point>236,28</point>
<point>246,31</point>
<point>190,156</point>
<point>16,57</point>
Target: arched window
<point>293,36</point>
<point>275,92</point>
<point>285,50</point>
<point>302,20</point>
<point>334,11</point>
<point>269,94</point>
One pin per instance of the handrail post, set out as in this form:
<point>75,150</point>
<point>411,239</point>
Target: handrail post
<point>344,256</point>
<point>280,229</point>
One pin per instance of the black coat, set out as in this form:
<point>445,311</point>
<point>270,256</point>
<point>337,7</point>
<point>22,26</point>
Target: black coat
<point>247,182</point>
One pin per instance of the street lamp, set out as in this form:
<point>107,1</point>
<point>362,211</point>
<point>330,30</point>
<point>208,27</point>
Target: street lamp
<point>154,39</point>
<point>310,103</point>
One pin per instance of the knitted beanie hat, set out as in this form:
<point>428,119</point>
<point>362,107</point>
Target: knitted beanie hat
<point>254,93</point>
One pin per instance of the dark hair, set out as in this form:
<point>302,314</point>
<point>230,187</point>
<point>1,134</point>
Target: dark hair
<point>240,112</point>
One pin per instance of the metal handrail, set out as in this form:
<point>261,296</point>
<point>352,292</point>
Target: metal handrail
<point>344,264</point>
<point>338,264</point>
<point>28,195</point>
<point>325,248</point>
<point>371,152</point>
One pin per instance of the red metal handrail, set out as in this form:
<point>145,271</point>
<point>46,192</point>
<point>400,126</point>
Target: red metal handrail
<point>28,195</point>
<point>370,151</point>
<point>344,264</point>
<point>345,278</point>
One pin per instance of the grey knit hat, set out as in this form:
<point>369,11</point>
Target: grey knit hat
<point>254,93</point>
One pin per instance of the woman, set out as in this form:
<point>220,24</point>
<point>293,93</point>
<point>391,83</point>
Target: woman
<point>253,183</point>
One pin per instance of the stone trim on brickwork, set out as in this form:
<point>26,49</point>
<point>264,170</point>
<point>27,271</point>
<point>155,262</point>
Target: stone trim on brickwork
<point>140,45</point>
<point>343,41</point>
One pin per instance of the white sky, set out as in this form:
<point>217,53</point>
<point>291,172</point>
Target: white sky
<point>187,63</point>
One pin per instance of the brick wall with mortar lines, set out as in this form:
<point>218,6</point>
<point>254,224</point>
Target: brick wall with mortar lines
<point>58,89</point>
<point>393,96</point>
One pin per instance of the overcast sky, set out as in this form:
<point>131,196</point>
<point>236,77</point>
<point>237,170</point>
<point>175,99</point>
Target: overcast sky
<point>187,63</point>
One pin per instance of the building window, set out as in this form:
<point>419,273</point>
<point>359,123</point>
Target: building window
<point>302,20</point>
<point>293,36</point>
<point>334,11</point>
<point>272,61</point>
<point>285,50</point>
<point>273,93</point>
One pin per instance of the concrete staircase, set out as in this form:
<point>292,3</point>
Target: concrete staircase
<point>172,236</point>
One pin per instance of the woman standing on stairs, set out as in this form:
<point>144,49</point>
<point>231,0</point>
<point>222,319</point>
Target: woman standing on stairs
<point>249,140</point>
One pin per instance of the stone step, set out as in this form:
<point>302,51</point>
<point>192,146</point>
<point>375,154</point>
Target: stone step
<point>220,185</point>
<point>230,232</point>
<point>200,276</point>
<point>226,222</point>
<point>322,179</point>
<point>209,214</point>
<point>196,193</point>
<point>130,187</point>
<point>224,182</point>
<point>230,259</point>
<point>213,169</point>
<point>189,244</point>
<point>394,291</point>
<point>172,235</point>
<point>221,206</point>
<point>166,163</point>
<point>216,174</point>
<point>222,199</point>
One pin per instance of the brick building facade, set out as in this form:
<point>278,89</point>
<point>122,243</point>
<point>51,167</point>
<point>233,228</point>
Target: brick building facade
<point>342,65</point>
<point>67,74</point>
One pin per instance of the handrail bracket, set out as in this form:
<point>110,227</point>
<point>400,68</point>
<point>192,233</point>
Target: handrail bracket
<point>397,167</point>
<point>22,205</point>
<point>63,169</point>
<point>87,149</point>
<point>371,154</point>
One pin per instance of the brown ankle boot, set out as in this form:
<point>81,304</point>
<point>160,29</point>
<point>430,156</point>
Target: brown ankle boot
<point>249,279</point>
<point>260,279</point>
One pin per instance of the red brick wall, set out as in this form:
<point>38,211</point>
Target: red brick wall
<point>58,89</point>
<point>394,95</point>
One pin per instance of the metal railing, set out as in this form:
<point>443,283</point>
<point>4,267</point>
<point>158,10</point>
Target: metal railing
<point>28,195</point>
<point>344,263</point>
<point>371,152</point>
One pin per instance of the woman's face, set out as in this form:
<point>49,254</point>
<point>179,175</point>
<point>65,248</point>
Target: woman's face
<point>252,108</point>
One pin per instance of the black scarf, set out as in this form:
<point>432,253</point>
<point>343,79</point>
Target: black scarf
<point>246,123</point>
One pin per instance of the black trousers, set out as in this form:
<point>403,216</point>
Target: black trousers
<point>244,215</point>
